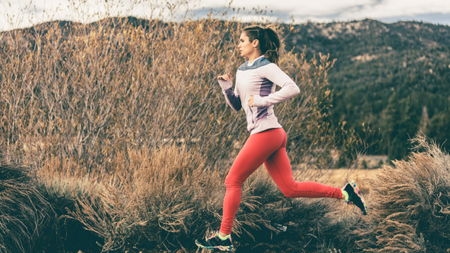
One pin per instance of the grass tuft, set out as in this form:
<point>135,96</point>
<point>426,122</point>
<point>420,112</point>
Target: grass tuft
<point>24,213</point>
<point>411,203</point>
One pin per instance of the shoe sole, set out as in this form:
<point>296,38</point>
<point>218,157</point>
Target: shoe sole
<point>221,248</point>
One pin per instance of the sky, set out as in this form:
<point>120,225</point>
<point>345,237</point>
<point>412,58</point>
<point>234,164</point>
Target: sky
<point>24,13</point>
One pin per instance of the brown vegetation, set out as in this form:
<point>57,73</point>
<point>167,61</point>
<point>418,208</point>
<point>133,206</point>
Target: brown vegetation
<point>412,204</point>
<point>24,213</point>
<point>86,92</point>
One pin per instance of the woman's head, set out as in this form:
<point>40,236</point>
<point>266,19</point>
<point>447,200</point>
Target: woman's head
<point>265,39</point>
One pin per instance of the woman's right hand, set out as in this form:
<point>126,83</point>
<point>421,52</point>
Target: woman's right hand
<point>225,77</point>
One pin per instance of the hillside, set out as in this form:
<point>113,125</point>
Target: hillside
<point>395,77</point>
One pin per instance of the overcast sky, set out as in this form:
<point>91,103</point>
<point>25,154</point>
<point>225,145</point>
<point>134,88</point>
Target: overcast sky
<point>21,13</point>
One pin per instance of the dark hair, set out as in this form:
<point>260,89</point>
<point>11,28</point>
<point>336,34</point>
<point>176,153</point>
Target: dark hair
<point>269,42</point>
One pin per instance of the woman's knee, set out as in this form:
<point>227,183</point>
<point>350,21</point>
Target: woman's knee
<point>231,182</point>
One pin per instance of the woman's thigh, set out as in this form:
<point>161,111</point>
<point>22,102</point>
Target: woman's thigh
<point>257,149</point>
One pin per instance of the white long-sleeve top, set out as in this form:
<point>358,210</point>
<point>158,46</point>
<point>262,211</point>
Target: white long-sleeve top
<point>259,79</point>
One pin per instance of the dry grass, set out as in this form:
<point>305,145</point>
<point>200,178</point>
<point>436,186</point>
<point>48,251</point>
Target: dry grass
<point>24,213</point>
<point>411,204</point>
<point>339,177</point>
<point>87,92</point>
<point>166,199</point>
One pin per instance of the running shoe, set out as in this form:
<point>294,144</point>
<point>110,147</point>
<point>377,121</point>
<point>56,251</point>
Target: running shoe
<point>214,242</point>
<point>355,197</point>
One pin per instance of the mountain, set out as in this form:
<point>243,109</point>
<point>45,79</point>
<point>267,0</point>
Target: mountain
<point>394,78</point>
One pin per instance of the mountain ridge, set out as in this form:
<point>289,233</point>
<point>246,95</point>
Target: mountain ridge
<point>377,63</point>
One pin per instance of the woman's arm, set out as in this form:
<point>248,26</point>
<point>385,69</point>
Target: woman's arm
<point>232,98</point>
<point>288,87</point>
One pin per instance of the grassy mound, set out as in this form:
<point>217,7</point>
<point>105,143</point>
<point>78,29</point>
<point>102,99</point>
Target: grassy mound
<point>24,213</point>
<point>411,204</point>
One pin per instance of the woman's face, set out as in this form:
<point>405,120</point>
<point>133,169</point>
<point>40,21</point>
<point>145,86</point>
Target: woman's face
<point>246,48</point>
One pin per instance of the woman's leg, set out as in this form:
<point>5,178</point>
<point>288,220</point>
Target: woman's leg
<point>279,168</point>
<point>256,150</point>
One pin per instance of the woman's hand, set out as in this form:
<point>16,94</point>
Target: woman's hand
<point>226,77</point>
<point>250,101</point>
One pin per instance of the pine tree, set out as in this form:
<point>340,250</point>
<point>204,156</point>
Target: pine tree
<point>440,128</point>
<point>391,127</point>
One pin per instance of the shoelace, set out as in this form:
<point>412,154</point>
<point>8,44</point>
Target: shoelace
<point>212,236</point>
<point>216,234</point>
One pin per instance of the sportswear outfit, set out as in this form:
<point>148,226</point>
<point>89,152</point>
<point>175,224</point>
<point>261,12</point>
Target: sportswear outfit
<point>267,141</point>
<point>266,144</point>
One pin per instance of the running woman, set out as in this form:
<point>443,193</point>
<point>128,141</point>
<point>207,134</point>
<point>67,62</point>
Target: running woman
<point>255,93</point>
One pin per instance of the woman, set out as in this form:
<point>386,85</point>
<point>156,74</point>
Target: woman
<point>255,93</point>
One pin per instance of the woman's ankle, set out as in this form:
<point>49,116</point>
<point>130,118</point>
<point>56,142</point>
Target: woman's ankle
<point>223,236</point>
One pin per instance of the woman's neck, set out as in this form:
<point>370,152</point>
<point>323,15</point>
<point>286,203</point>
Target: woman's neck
<point>252,58</point>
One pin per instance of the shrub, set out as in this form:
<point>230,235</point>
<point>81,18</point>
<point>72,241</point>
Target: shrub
<point>24,213</point>
<point>411,203</point>
<point>61,183</point>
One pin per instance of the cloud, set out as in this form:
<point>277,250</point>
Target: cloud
<point>388,9</point>
<point>21,13</point>
<point>344,10</point>
<point>434,11</point>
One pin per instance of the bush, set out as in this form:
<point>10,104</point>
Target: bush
<point>62,183</point>
<point>411,204</point>
<point>24,213</point>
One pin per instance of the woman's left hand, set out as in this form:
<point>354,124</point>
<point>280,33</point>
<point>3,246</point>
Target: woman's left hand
<point>250,101</point>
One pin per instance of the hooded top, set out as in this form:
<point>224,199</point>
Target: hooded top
<point>259,78</point>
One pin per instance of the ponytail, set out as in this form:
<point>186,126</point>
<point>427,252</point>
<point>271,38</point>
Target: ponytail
<point>269,41</point>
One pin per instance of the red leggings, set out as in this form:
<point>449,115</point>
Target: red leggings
<point>268,147</point>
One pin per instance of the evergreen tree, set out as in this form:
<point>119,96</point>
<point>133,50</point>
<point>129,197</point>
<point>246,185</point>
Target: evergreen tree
<point>440,128</point>
<point>391,126</point>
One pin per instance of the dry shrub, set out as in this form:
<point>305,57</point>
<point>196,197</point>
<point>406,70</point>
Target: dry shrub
<point>312,224</point>
<point>62,183</point>
<point>148,200</point>
<point>411,204</point>
<point>24,213</point>
<point>85,92</point>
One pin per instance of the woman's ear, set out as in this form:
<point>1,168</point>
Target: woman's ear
<point>255,43</point>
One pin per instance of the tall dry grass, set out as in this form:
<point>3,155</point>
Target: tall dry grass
<point>164,200</point>
<point>411,204</point>
<point>85,92</point>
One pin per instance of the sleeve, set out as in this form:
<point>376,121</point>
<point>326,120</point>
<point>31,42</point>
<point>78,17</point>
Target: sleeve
<point>232,98</point>
<point>288,89</point>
